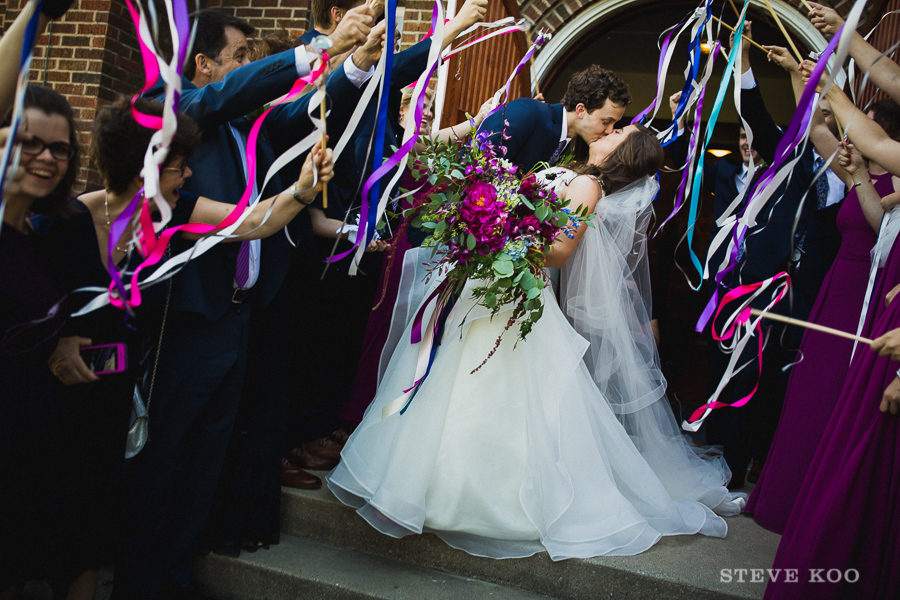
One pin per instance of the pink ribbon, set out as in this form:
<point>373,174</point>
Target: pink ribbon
<point>733,326</point>
<point>159,247</point>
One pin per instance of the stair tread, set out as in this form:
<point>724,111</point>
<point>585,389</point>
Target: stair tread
<point>295,566</point>
<point>688,565</point>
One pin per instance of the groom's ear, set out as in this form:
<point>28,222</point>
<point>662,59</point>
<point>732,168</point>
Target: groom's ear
<point>580,110</point>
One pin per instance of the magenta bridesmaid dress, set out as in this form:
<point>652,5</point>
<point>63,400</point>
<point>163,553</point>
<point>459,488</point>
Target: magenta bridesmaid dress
<point>817,380</point>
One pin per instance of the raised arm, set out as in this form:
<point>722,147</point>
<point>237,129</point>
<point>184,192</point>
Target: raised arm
<point>884,73</point>
<point>583,191</point>
<point>865,133</point>
<point>823,139</point>
<point>854,165</point>
<point>11,52</point>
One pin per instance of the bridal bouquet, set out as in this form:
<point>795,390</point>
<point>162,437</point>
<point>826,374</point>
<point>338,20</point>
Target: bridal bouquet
<point>488,222</point>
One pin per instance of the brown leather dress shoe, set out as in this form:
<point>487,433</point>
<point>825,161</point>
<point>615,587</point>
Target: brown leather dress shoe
<point>294,477</point>
<point>307,460</point>
<point>340,436</point>
<point>325,448</point>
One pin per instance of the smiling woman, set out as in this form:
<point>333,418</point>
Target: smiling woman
<point>32,312</point>
<point>96,408</point>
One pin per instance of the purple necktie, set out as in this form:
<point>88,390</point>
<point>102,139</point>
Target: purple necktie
<point>242,269</point>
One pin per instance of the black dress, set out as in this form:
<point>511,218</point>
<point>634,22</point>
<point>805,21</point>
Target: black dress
<point>32,312</point>
<point>96,415</point>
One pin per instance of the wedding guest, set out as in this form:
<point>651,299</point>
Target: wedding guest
<point>174,480</point>
<point>33,310</point>
<point>844,517</point>
<point>816,381</point>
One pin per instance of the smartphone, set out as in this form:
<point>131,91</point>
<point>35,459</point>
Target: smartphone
<point>108,358</point>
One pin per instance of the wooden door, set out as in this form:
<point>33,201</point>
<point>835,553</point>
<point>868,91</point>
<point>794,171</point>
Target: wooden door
<point>477,73</point>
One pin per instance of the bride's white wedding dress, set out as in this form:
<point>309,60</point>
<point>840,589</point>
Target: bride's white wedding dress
<point>564,442</point>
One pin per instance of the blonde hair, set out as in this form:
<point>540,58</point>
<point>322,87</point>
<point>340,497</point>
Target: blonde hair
<point>407,93</point>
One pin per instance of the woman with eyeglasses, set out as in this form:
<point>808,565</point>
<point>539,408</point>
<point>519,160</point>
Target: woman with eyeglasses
<point>33,309</point>
<point>96,408</point>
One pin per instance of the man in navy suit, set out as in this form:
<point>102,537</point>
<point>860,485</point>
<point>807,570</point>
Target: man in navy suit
<point>204,343</point>
<point>324,386</point>
<point>534,132</point>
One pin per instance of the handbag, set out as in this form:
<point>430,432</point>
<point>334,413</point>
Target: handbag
<point>139,430</point>
<point>140,423</point>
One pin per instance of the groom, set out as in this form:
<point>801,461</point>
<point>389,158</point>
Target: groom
<point>536,132</point>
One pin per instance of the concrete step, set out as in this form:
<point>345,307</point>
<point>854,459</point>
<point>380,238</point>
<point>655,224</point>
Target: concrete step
<point>680,567</point>
<point>300,568</point>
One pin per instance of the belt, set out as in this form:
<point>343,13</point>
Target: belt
<point>241,295</point>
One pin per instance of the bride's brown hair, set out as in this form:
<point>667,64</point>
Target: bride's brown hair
<point>639,155</point>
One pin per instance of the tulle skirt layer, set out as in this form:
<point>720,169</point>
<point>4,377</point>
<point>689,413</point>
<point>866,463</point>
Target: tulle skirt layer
<point>525,454</point>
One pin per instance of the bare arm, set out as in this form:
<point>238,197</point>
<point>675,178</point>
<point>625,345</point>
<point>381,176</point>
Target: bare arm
<point>583,191</point>
<point>11,55</point>
<point>869,200</point>
<point>463,129</point>
<point>470,13</point>
<point>885,73</point>
<point>865,134</point>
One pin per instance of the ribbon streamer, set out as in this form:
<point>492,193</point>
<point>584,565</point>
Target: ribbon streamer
<point>739,328</point>
<point>10,158</point>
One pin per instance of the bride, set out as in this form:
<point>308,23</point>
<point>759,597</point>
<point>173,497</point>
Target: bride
<point>564,442</point>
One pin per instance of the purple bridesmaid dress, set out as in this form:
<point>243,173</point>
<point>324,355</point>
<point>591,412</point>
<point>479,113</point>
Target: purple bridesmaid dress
<point>846,518</point>
<point>817,380</point>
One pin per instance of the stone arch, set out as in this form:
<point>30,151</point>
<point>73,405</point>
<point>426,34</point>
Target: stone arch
<point>569,20</point>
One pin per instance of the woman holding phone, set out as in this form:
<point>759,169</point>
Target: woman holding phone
<point>97,407</point>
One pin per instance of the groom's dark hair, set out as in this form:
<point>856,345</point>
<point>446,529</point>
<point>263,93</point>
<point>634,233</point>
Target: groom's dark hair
<point>593,86</point>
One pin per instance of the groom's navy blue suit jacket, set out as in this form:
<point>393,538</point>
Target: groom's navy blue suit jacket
<point>206,283</point>
<point>533,131</point>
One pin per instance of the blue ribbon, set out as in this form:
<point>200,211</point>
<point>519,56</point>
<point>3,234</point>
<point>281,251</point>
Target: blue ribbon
<point>710,127</point>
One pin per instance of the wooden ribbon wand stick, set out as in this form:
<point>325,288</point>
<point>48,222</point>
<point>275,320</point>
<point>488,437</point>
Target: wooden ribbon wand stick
<point>784,32</point>
<point>776,317</point>
<point>324,145</point>
<point>727,26</point>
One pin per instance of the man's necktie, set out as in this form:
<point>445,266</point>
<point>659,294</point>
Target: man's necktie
<point>821,184</point>
<point>559,151</point>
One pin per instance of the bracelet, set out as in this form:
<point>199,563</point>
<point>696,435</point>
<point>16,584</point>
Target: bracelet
<point>898,372</point>
<point>856,185</point>
<point>298,196</point>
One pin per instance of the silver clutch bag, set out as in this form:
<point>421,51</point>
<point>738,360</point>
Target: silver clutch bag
<point>140,424</point>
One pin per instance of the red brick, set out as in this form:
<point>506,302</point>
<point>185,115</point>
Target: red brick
<point>88,53</point>
<point>70,89</point>
<point>57,76</point>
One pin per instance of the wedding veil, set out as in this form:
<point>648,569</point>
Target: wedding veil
<point>605,294</point>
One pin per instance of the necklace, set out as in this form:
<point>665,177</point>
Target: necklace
<point>106,208</point>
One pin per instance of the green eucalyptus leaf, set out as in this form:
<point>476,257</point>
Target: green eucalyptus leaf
<point>470,241</point>
<point>526,201</point>
<point>503,268</point>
